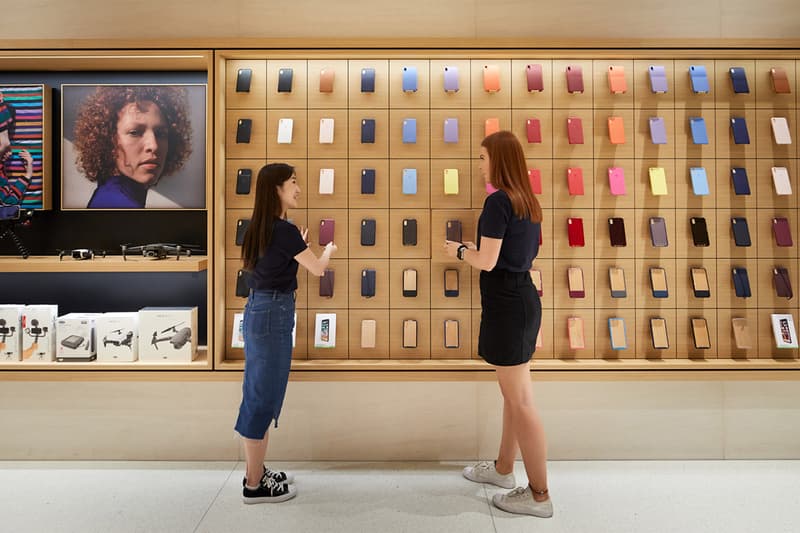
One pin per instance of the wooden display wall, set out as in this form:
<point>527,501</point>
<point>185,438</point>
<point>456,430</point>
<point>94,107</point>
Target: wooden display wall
<point>513,105</point>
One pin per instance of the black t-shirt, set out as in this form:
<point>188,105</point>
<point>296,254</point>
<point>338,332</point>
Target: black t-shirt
<point>277,268</point>
<point>520,236</point>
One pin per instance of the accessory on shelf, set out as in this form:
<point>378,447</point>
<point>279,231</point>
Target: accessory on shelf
<point>162,250</point>
<point>80,254</point>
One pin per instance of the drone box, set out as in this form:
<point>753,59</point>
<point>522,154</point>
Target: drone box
<point>10,333</point>
<point>167,334</point>
<point>75,337</point>
<point>39,333</point>
<point>117,337</point>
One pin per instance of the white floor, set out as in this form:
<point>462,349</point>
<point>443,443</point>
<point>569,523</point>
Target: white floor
<point>589,496</point>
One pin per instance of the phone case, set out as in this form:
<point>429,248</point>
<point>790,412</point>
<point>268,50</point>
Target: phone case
<point>741,233</point>
<point>327,226</point>
<point>780,81</point>
<point>241,228</point>
<point>409,79</point>
<point>491,78</point>
<point>658,282</point>
<point>699,78</point>
<point>699,179</point>
<point>367,181</point>
<point>451,283</point>
<point>533,73</point>
<point>783,284</point>
<point>285,127</point>
<point>783,330</point>
<point>243,77</point>
<point>368,228</point>
<point>575,231</point>
<point>243,283</point>
<point>244,177</point>
<point>368,282</point>
<point>658,130</point>
<point>741,333</point>
<point>327,77</point>
<point>616,330</point>
<point>409,181</point>
<point>453,232</point>
<point>575,181</point>
<point>575,333</point>
<point>739,80</point>
<point>326,283</point>
<point>658,232</point>
<point>451,130</point>
<point>533,130</point>
<point>698,127</point>
<point>780,130</point>
<point>368,333</point>
<point>658,333</point>
<point>409,232</point>
<point>243,128</point>
<point>450,79</point>
<point>451,334</point>
<point>616,181</point>
<point>326,178</point>
<point>616,79</point>
<point>535,180</point>
<point>616,130</point>
<point>368,131</point>
<point>699,231</point>
<point>780,179</point>
<point>409,131</point>
<point>700,284</point>
<point>285,76</point>
<point>782,231</point>
<point>616,280</point>
<point>367,80</point>
<point>741,185</point>
<point>536,278</point>
<point>492,125</point>
<point>616,231</point>
<point>409,333</point>
<point>575,282</point>
<point>741,282</point>
<point>451,181</point>
<point>326,130</point>
<point>658,181</point>
<point>574,79</point>
<point>409,283</point>
<point>702,341</point>
<point>658,79</point>
<point>739,130</point>
<point>574,130</point>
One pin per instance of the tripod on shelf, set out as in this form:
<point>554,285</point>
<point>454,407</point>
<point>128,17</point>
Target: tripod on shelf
<point>11,216</point>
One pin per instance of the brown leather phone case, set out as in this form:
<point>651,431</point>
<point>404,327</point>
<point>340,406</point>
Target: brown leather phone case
<point>409,283</point>
<point>368,327</point>
<point>326,79</point>
<point>616,231</point>
<point>783,285</point>
<point>326,284</point>
<point>451,336</point>
<point>658,332</point>
<point>702,341</point>
<point>409,333</point>
<point>780,81</point>
<point>741,333</point>
<point>453,230</point>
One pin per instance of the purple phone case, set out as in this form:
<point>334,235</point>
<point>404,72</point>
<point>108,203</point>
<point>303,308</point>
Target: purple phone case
<point>326,229</point>
<point>451,130</point>
<point>658,131</point>
<point>451,79</point>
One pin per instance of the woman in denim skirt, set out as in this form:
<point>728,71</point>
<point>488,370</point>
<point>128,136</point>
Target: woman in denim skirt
<point>511,314</point>
<point>271,251</point>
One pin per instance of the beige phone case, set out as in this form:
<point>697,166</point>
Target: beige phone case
<point>700,331</point>
<point>368,333</point>
<point>658,329</point>
<point>575,331</point>
<point>741,333</point>
<point>616,327</point>
<point>451,334</point>
<point>409,333</point>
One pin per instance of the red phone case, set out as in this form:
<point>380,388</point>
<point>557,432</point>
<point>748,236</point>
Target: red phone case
<point>575,232</point>
<point>534,74</point>
<point>574,79</point>
<point>574,130</point>
<point>535,179</point>
<point>534,130</point>
<point>783,232</point>
<point>575,181</point>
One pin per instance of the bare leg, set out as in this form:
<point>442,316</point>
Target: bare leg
<point>515,383</point>
<point>508,443</point>
<point>254,453</point>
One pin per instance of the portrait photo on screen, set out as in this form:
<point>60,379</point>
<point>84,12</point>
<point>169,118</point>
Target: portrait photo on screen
<point>133,146</point>
<point>24,143</point>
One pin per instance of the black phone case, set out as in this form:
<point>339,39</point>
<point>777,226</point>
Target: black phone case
<point>452,293</point>
<point>616,231</point>
<point>368,232</point>
<point>326,283</point>
<point>368,80</point>
<point>244,177</point>
<point>699,231</point>
<point>241,228</point>
<point>243,77</point>
<point>700,293</point>
<point>453,231</point>
<point>243,130</point>
<point>741,233</point>
<point>242,283</point>
<point>741,282</point>
<point>285,80</point>
<point>409,232</point>
<point>741,185</point>
<point>368,283</point>
<point>368,131</point>
<point>367,181</point>
<point>409,293</point>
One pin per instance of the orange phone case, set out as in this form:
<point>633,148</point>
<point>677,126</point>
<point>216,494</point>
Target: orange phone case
<point>616,130</point>
<point>492,125</point>
<point>491,78</point>
<point>326,78</point>
<point>616,79</point>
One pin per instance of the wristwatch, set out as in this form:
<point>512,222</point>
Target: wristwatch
<point>460,252</point>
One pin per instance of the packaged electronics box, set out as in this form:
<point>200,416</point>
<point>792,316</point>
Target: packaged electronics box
<point>117,337</point>
<point>11,332</point>
<point>39,333</point>
<point>167,334</point>
<point>75,337</point>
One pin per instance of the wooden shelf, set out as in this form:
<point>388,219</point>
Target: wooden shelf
<point>200,363</point>
<point>103,264</point>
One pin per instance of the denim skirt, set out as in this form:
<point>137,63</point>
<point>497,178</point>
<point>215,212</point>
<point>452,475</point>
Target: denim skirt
<point>267,329</point>
<point>511,315</point>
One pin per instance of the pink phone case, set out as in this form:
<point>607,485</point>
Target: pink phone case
<point>616,181</point>
<point>574,130</point>
<point>575,181</point>
<point>535,179</point>
<point>533,129</point>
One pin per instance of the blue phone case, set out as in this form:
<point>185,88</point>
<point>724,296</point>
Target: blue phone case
<point>367,80</point>
<point>451,79</point>
<point>699,181</point>
<point>367,181</point>
<point>409,79</point>
<point>741,233</point>
<point>741,282</point>
<point>368,131</point>
<point>658,79</point>
<point>409,130</point>
<point>409,181</point>
<point>741,185</point>
<point>698,127</point>
<point>451,130</point>
<point>699,79</point>
<point>739,130</point>
<point>739,80</point>
<point>658,131</point>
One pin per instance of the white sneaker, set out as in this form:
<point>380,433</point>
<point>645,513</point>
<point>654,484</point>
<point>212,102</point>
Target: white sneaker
<point>485,472</point>
<point>520,501</point>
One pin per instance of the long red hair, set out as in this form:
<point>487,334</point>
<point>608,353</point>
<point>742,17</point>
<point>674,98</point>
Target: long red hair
<point>509,172</point>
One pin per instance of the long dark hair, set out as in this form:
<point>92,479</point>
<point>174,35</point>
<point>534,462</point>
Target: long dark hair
<point>510,172</point>
<point>267,208</point>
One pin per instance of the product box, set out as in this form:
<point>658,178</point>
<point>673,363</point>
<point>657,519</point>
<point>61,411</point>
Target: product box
<point>167,334</point>
<point>10,332</point>
<point>783,329</point>
<point>39,333</point>
<point>117,337</point>
<point>75,339</point>
<point>325,330</point>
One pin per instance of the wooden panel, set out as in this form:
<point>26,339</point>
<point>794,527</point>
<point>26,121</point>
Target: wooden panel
<point>683,183</point>
<point>561,297</point>
<point>725,338</point>
<point>726,148</point>
<point>299,352</point>
<point>519,123</point>
<point>561,348</point>
<point>726,293</point>
<point>379,98</point>
<point>684,144</point>
<point>548,296</point>
<point>420,200</point>
<point>341,350</point>
<point>400,99</point>
<point>643,141</point>
<point>560,190</point>
<point>685,97</point>
<point>643,241</point>
<point>441,149</point>
<point>113,263</point>
<point>297,98</point>
<point>341,133</point>
<point>381,247</point>
<point>340,230</point>
<point>725,97</point>
<point>337,200</point>
<point>602,143</point>
<point>298,148</point>
<point>443,99</point>
<point>685,341</point>
<point>602,239</point>
<point>333,100</point>
<point>563,99</point>
<point>423,318</point>
<point>602,190</point>
<point>257,147</point>
<point>602,286</point>
<point>438,298</point>
<point>520,97</point>
<point>644,96</point>
<point>684,243</point>
<point>462,200</point>
<point>644,337</point>
<point>546,248</point>
<point>423,298</point>
<point>465,336</point>
<point>399,149</point>
<point>381,298</point>
<point>257,96</point>
<point>380,199</point>
<point>603,97</point>
<point>561,147</point>
<point>381,318</point>
<point>396,248</point>
<point>481,99</point>
<point>547,349</point>
<point>380,148</point>
<point>439,219</point>
<point>603,349</point>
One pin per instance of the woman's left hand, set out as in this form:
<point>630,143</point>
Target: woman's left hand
<point>451,248</point>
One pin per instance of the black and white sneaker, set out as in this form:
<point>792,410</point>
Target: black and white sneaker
<point>269,491</point>
<point>280,477</point>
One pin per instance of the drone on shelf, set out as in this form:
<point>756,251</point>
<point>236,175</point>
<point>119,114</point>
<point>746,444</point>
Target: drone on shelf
<point>118,338</point>
<point>176,337</point>
<point>161,250</point>
<point>81,254</point>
